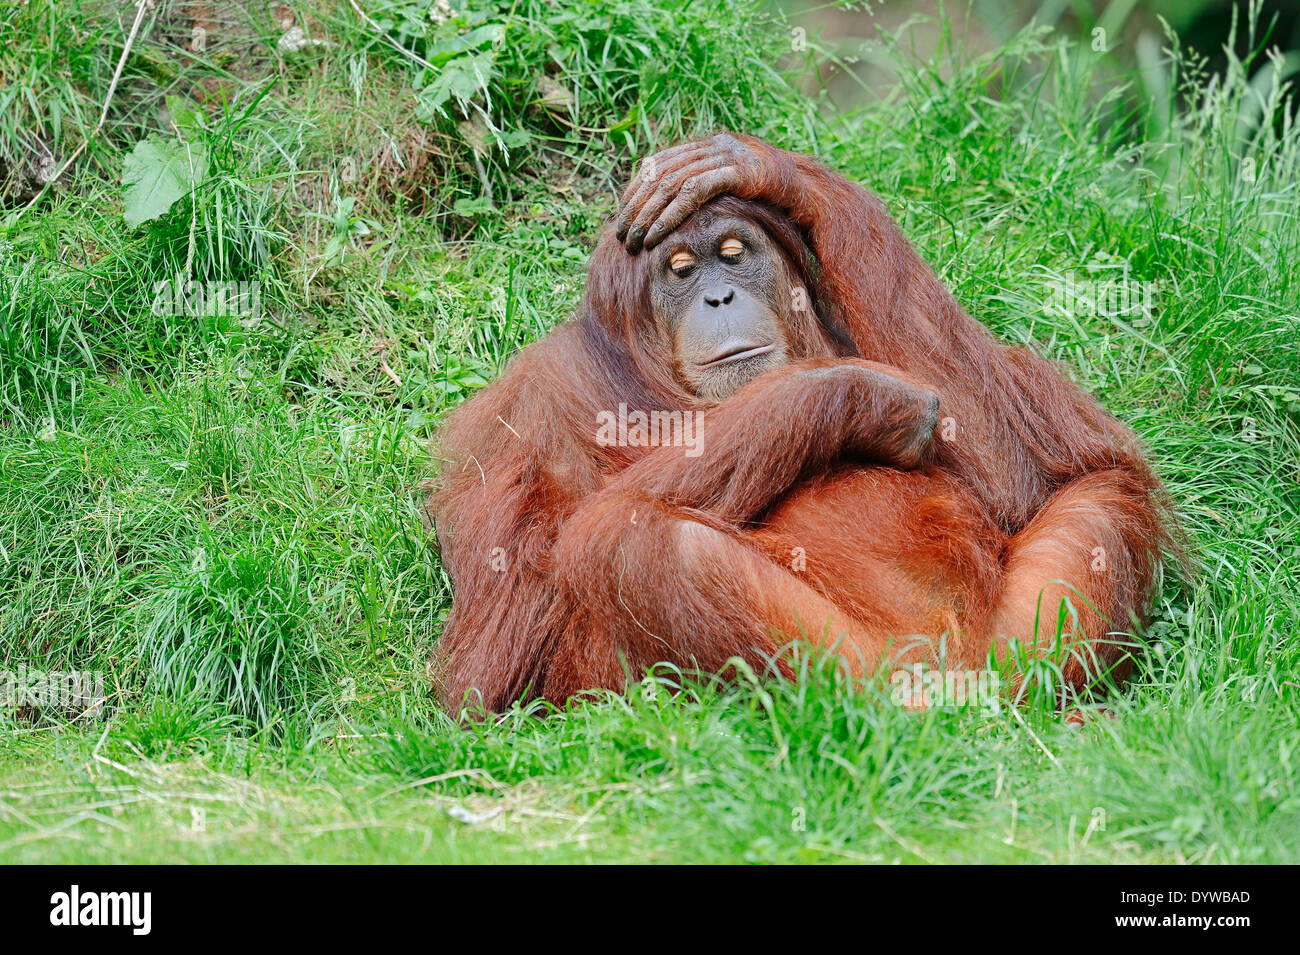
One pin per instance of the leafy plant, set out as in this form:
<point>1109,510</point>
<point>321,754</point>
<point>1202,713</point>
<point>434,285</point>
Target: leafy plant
<point>157,173</point>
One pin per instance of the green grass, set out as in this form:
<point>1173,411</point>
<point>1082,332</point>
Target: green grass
<point>223,514</point>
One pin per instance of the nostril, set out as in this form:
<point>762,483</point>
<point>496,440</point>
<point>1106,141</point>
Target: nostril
<point>724,298</point>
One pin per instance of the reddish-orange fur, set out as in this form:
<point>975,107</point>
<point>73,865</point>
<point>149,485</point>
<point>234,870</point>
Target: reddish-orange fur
<point>614,558</point>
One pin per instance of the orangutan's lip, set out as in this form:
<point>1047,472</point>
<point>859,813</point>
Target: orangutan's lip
<point>738,355</point>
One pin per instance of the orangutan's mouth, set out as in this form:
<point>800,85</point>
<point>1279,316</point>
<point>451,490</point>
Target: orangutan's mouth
<point>739,353</point>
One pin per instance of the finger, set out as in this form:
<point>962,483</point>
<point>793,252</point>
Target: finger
<point>636,229</point>
<point>653,170</point>
<point>663,194</point>
<point>673,155</point>
<point>663,164</point>
<point>690,197</point>
<point>686,184</point>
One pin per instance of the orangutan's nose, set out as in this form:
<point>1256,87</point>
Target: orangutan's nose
<point>716,297</point>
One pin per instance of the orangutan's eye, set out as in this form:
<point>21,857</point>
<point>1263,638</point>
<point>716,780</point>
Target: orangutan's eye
<point>731,247</point>
<point>681,260</point>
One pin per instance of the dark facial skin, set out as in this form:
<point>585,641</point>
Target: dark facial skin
<point>722,292</point>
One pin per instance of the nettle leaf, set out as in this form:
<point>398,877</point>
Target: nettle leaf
<point>186,117</point>
<point>515,138</point>
<point>461,78</point>
<point>472,208</point>
<point>445,50</point>
<point>157,173</point>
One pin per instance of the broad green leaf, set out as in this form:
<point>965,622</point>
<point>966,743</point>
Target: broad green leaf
<point>461,78</point>
<point>445,50</point>
<point>470,208</point>
<point>186,117</point>
<point>157,173</point>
